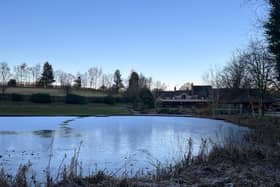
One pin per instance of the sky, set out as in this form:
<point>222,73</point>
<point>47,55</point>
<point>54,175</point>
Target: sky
<point>174,41</point>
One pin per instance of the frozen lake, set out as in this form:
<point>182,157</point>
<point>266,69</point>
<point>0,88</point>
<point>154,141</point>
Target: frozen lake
<point>116,144</point>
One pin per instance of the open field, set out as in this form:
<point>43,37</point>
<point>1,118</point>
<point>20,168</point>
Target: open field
<point>55,91</point>
<point>22,108</point>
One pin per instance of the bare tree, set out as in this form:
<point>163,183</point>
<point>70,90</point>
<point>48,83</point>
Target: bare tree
<point>35,73</point>
<point>98,78</point>
<point>4,75</point>
<point>94,74</point>
<point>20,72</point>
<point>84,78</point>
<point>186,86</point>
<point>64,79</point>
<point>213,77</point>
<point>150,82</point>
<point>234,74</point>
<point>260,67</point>
<point>158,85</point>
<point>107,81</point>
<point>143,81</point>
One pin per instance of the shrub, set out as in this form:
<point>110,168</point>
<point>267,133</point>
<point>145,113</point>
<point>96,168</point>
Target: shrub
<point>75,99</point>
<point>98,100</point>
<point>16,97</point>
<point>109,100</point>
<point>12,83</point>
<point>40,98</point>
<point>147,98</point>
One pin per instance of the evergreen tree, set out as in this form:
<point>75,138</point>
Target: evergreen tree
<point>47,77</point>
<point>118,81</point>
<point>272,31</point>
<point>147,98</point>
<point>133,86</point>
<point>133,81</point>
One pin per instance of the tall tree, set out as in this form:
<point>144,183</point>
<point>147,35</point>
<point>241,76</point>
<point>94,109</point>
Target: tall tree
<point>35,72</point>
<point>21,72</point>
<point>133,82</point>
<point>260,69</point>
<point>118,84</point>
<point>93,76</point>
<point>47,77</point>
<point>133,89</point>
<point>4,75</point>
<point>235,74</point>
<point>272,31</point>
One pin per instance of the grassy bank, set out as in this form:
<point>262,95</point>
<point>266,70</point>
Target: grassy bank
<point>252,161</point>
<point>56,109</point>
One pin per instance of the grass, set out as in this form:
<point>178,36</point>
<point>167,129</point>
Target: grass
<point>56,109</point>
<point>55,91</point>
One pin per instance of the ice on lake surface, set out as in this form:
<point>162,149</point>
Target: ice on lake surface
<point>115,143</point>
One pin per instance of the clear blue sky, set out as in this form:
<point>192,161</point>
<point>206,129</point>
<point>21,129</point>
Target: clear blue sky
<point>174,41</point>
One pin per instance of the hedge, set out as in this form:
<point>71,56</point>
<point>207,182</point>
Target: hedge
<point>17,97</point>
<point>75,99</point>
<point>40,98</point>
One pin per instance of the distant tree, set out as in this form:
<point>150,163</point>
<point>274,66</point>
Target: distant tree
<point>272,32</point>
<point>150,82</point>
<point>4,75</point>
<point>78,82</point>
<point>118,84</point>
<point>94,75</point>
<point>47,77</point>
<point>133,89</point>
<point>84,78</point>
<point>186,86</point>
<point>133,82</point>
<point>20,73</point>
<point>143,81</point>
<point>104,82</point>
<point>213,77</point>
<point>60,77</point>
<point>159,86</point>
<point>35,73</point>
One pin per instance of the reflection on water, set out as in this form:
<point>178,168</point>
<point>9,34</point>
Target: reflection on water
<point>131,142</point>
<point>44,133</point>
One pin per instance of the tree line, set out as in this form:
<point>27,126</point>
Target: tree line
<point>44,76</point>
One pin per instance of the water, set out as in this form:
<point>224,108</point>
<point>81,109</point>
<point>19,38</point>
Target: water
<point>115,144</point>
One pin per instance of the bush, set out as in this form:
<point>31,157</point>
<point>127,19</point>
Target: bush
<point>75,99</point>
<point>16,97</point>
<point>147,98</point>
<point>12,83</point>
<point>40,98</point>
<point>98,100</point>
<point>110,100</point>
